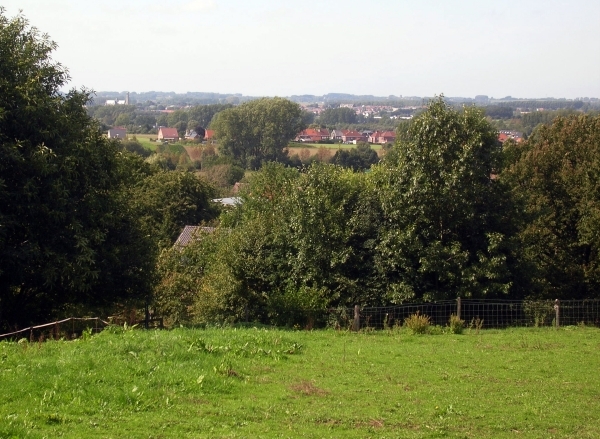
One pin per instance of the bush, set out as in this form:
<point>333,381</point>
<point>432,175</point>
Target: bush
<point>417,323</point>
<point>456,325</point>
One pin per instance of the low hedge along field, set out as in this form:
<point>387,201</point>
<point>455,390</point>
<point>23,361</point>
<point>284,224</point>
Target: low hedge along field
<point>272,383</point>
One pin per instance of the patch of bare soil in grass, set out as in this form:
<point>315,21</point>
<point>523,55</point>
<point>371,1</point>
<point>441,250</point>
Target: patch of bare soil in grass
<point>308,388</point>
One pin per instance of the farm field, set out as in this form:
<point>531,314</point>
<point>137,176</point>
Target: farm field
<point>271,383</point>
<point>144,139</point>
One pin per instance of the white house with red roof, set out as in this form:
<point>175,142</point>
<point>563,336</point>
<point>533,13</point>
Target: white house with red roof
<point>374,137</point>
<point>350,136</point>
<point>313,135</point>
<point>504,135</point>
<point>387,137</point>
<point>165,133</point>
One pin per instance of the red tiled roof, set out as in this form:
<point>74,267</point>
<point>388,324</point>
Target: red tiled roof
<point>168,133</point>
<point>209,134</point>
<point>350,133</point>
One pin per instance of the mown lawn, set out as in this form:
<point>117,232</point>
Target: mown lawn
<point>269,383</point>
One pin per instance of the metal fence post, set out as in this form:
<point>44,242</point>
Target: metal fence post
<point>356,323</point>
<point>557,310</point>
<point>458,308</point>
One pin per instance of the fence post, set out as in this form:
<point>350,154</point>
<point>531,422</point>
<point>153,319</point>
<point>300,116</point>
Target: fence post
<point>356,323</point>
<point>458,308</point>
<point>557,310</point>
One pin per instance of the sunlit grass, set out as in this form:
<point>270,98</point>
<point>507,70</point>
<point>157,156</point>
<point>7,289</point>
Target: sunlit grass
<point>274,383</point>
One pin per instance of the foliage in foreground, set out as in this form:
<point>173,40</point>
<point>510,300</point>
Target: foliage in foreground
<point>81,219</point>
<point>66,234</point>
<point>271,383</point>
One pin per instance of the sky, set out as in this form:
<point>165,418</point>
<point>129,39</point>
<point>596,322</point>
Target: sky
<point>524,48</point>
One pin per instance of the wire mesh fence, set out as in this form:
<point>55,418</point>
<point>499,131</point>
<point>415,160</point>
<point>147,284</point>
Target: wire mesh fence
<point>483,313</point>
<point>476,313</point>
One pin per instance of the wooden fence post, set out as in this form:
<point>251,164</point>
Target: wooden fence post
<point>356,323</point>
<point>458,308</point>
<point>557,316</point>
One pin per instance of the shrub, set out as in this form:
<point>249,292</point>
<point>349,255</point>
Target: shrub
<point>456,325</point>
<point>417,323</point>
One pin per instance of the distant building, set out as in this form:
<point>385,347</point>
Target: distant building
<point>165,133</point>
<point>387,137</point>
<point>118,101</point>
<point>190,234</point>
<point>349,136</point>
<point>229,201</point>
<point>313,135</point>
<point>504,135</point>
<point>117,133</point>
<point>192,135</point>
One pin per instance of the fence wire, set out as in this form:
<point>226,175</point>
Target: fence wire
<point>487,313</point>
<point>71,327</point>
<point>475,313</point>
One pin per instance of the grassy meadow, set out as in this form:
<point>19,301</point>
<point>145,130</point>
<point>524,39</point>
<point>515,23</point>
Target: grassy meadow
<point>270,383</point>
<point>144,140</point>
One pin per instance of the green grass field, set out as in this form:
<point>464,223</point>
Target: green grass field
<point>144,139</point>
<point>267,383</point>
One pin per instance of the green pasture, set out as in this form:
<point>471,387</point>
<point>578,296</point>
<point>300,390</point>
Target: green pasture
<point>271,383</point>
<point>144,139</point>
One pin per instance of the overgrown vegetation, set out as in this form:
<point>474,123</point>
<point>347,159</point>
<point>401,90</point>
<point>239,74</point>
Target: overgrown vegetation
<point>418,323</point>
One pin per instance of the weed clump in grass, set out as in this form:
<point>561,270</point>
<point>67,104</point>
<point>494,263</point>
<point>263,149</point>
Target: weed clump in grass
<point>417,323</point>
<point>476,324</point>
<point>456,325</point>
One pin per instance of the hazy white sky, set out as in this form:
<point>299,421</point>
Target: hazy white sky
<point>524,48</point>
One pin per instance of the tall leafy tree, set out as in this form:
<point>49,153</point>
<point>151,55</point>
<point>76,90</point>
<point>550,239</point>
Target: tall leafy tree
<point>444,214</point>
<point>334,116</point>
<point>258,131</point>
<point>358,159</point>
<point>166,201</point>
<point>555,177</point>
<point>66,236</point>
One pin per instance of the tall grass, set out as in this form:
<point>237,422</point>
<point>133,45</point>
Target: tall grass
<point>253,382</point>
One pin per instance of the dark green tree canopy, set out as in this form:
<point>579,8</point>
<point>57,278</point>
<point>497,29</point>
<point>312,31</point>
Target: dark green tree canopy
<point>258,131</point>
<point>443,210</point>
<point>66,235</point>
<point>358,159</point>
<point>342,115</point>
<point>555,177</point>
<point>166,201</point>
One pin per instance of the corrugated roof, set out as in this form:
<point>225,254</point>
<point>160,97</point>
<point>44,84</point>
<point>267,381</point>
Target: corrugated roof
<point>191,233</point>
